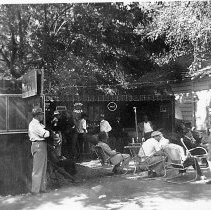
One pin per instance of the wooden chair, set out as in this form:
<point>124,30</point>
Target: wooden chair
<point>105,159</point>
<point>102,156</point>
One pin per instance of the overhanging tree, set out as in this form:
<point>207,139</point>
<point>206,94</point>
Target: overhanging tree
<point>185,27</point>
<point>77,44</point>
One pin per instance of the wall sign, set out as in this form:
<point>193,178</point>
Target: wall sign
<point>61,108</point>
<point>29,84</point>
<point>112,106</point>
<point>163,108</point>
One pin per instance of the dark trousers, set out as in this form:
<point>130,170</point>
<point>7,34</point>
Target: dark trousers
<point>191,161</point>
<point>80,142</point>
<point>73,147</point>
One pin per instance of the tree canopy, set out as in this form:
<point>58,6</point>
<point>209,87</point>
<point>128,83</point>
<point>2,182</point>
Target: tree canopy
<point>185,27</point>
<point>99,44</point>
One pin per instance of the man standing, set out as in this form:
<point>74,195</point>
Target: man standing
<point>146,128</point>
<point>82,130</point>
<point>117,129</point>
<point>104,125</point>
<point>37,135</point>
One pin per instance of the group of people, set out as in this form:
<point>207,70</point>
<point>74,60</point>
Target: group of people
<point>59,130</point>
<point>154,146</point>
<point>156,152</point>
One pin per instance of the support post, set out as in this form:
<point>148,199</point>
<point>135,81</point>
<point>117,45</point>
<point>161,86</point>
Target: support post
<point>136,123</point>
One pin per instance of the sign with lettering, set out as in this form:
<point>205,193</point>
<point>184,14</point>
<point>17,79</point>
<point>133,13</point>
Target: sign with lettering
<point>29,84</point>
<point>112,106</point>
<point>61,108</point>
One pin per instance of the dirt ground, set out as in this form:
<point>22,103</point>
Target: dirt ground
<point>98,189</point>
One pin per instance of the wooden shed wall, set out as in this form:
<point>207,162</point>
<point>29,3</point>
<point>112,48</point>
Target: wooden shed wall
<point>16,163</point>
<point>187,107</point>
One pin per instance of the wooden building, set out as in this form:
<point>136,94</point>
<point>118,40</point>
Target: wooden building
<point>192,101</point>
<point>15,155</point>
<point>159,107</point>
<point>15,115</point>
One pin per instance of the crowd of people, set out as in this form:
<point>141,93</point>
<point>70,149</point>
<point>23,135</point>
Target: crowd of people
<point>68,138</point>
<point>64,139</point>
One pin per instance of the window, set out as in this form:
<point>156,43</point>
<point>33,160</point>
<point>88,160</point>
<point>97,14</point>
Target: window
<point>17,111</point>
<point>3,120</point>
<point>13,113</point>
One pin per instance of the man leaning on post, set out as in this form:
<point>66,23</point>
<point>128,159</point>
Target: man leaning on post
<point>37,135</point>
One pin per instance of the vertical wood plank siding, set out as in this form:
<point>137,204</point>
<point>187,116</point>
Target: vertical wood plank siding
<point>16,163</point>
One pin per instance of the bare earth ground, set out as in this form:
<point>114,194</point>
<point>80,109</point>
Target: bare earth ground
<point>99,190</point>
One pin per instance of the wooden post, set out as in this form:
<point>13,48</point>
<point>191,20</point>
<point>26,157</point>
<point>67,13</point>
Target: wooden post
<point>136,124</point>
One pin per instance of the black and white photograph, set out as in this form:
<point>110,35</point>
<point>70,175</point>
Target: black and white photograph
<point>105,105</point>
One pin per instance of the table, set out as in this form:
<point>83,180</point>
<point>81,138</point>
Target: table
<point>134,149</point>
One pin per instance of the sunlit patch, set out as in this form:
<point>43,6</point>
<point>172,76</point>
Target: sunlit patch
<point>10,200</point>
<point>92,164</point>
<point>115,205</point>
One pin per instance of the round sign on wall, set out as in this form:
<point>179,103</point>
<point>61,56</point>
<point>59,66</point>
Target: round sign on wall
<point>112,106</point>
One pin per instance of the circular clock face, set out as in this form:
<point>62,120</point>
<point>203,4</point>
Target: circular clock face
<point>112,106</point>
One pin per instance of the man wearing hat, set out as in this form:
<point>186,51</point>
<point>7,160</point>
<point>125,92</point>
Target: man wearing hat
<point>157,135</point>
<point>37,134</point>
<point>151,154</point>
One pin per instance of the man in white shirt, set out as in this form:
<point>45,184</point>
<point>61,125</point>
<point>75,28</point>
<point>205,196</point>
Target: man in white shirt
<point>151,155</point>
<point>145,128</point>
<point>82,130</point>
<point>161,140</point>
<point>104,125</point>
<point>37,134</point>
<point>186,160</point>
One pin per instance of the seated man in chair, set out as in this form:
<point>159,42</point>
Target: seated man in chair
<point>115,158</point>
<point>186,160</point>
<point>151,154</point>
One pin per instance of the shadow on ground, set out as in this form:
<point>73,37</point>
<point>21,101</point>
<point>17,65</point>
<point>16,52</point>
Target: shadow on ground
<point>98,189</point>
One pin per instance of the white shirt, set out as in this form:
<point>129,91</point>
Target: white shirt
<point>147,127</point>
<point>179,149</point>
<point>105,126</point>
<point>82,126</point>
<point>37,131</point>
<point>163,142</point>
<point>150,147</point>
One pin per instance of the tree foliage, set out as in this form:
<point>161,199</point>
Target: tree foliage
<point>85,42</point>
<point>86,45</point>
<point>185,27</point>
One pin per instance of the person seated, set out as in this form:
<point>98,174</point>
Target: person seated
<point>209,153</point>
<point>153,155</point>
<point>192,139</point>
<point>60,170</point>
<point>115,157</point>
<point>187,160</point>
<point>185,131</point>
